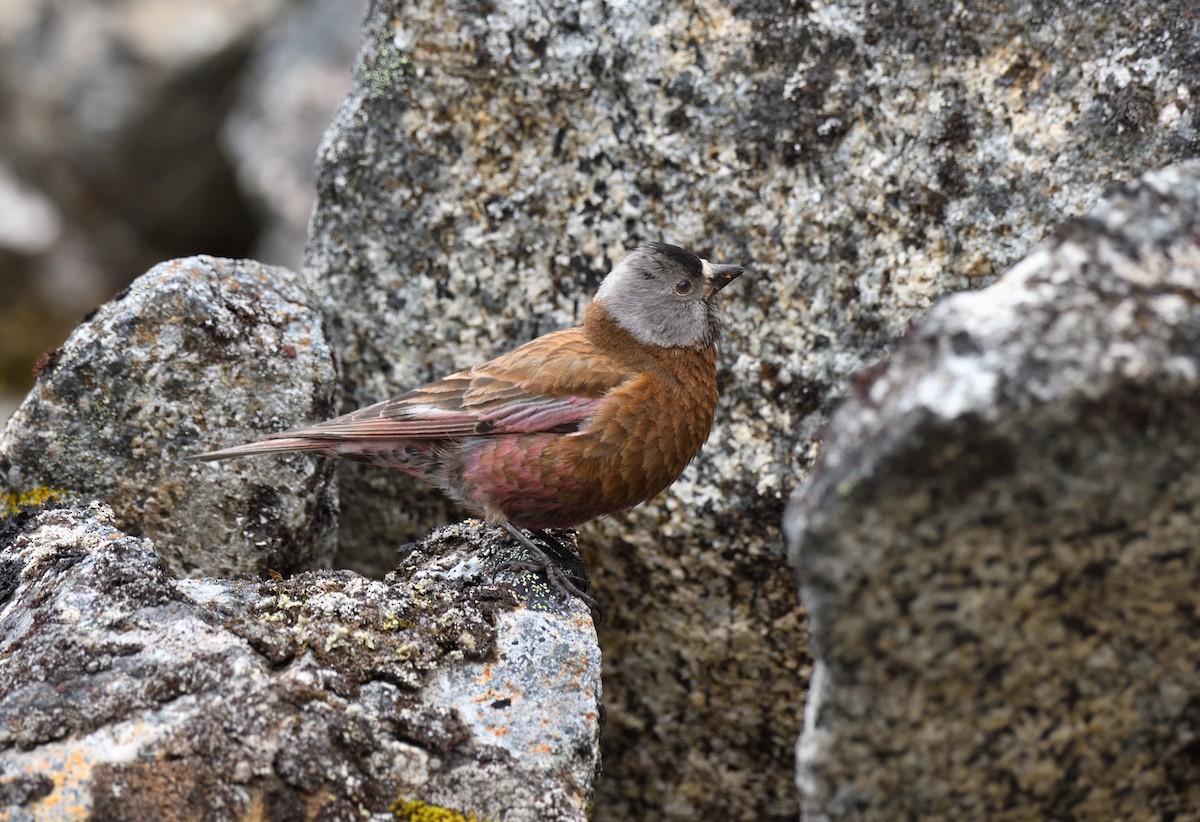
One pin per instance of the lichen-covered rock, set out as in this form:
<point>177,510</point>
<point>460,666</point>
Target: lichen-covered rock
<point>126,693</point>
<point>999,549</point>
<point>493,161</point>
<point>536,700</point>
<point>196,354</point>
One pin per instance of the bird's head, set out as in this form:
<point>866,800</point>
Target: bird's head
<point>665,295</point>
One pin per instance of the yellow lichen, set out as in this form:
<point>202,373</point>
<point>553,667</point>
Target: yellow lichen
<point>13,502</point>
<point>414,810</point>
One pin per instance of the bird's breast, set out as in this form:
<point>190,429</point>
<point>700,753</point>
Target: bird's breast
<point>653,427</point>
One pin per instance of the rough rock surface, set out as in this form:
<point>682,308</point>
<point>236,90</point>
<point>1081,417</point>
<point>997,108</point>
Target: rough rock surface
<point>999,548</point>
<point>492,161</point>
<point>126,693</point>
<point>195,355</point>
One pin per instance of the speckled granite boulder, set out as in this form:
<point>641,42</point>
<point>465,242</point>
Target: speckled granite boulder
<point>196,354</point>
<point>492,161</point>
<point>126,693</point>
<point>1000,548</point>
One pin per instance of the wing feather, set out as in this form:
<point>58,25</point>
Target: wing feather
<point>554,383</point>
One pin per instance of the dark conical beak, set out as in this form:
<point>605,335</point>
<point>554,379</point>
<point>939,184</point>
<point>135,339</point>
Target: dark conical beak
<point>723,275</point>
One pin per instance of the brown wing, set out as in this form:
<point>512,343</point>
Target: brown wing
<point>552,383</point>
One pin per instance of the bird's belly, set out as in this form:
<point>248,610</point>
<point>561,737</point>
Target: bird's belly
<point>532,480</point>
<point>558,481</point>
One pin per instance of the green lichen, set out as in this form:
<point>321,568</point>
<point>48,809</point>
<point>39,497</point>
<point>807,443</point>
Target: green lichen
<point>13,502</point>
<point>414,810</point>
<point>390,69</point>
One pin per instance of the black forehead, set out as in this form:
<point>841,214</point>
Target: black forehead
<point>680,257</point>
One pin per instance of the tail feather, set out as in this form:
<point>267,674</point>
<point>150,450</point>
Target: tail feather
<point>264,447</point>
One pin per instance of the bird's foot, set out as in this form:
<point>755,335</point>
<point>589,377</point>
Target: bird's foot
<point>556,561</point>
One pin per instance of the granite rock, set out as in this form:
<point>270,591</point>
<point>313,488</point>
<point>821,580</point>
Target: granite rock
<point>493,160</point>
<point>196,354</point>
<point>998,548</point>
<point>127,693</point>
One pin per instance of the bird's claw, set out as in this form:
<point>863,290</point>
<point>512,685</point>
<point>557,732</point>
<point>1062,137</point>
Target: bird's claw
<point>550,563</point>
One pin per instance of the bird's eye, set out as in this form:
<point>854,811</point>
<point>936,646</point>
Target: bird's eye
<point>683,287</point>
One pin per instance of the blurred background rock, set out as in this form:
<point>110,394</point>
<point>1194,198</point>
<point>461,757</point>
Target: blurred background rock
<point>137,131</point>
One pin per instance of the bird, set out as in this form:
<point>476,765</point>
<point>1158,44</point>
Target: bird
<point>573,425</point>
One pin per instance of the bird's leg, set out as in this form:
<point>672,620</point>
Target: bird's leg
<point>550,564</point>
<point>562,553</point>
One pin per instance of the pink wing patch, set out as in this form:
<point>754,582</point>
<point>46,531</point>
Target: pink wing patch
<point>534,414</point>
<point>526,414</point>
